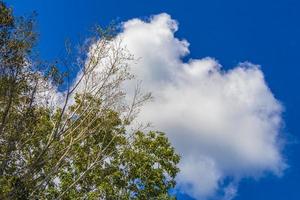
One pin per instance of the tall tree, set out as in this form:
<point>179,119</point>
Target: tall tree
<point>80,145</point>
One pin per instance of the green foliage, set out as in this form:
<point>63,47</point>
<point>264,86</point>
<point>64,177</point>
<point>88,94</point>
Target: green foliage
<point>82,149</point>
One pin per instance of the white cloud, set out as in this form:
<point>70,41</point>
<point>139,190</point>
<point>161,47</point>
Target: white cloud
<point>225,124</point>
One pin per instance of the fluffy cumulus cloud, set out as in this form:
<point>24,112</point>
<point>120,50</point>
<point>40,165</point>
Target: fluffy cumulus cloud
<point>225,124</point>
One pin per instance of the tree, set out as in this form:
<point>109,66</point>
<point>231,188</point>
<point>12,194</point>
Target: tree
<point>81,145</point>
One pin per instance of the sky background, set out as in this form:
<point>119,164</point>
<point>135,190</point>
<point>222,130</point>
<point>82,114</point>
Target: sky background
<point>265,32</point>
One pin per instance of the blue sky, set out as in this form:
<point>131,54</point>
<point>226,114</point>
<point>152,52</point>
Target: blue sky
<point>264,32</point>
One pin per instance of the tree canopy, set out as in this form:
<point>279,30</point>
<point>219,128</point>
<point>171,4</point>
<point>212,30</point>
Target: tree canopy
<point>73,138</point>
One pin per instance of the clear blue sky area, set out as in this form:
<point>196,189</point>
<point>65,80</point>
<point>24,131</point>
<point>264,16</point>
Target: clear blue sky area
<point>264,32</point>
